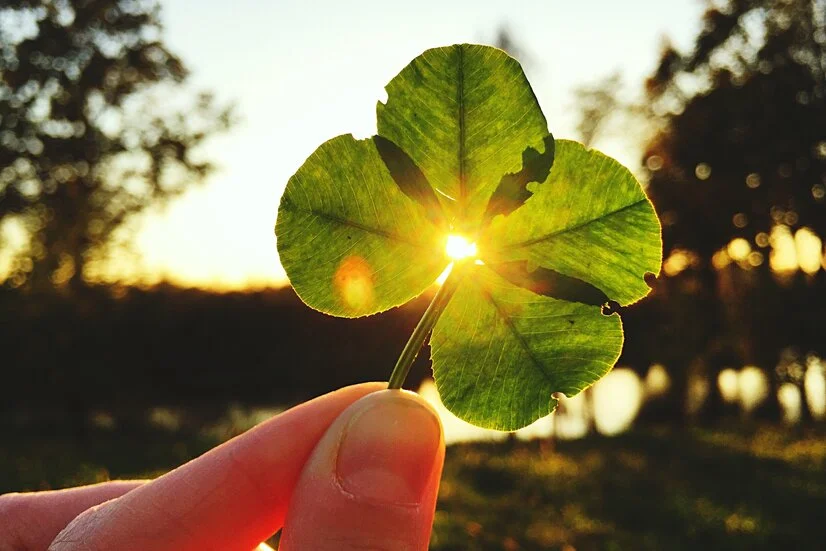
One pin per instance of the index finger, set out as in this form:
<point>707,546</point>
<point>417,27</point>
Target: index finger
<point>233,497</point>
<point>31,520</point>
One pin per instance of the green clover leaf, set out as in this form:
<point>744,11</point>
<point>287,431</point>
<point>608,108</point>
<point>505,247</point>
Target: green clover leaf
<point>561,230</point>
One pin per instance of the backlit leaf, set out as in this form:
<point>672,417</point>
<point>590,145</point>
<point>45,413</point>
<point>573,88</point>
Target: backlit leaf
<point>465,114</point>
<point>512,191</point>
<point>500,351</point>
<point>590,220</point>
<point>351,242</point>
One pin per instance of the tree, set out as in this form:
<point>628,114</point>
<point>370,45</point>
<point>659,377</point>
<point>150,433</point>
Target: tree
<point>96,126</point>
<point>597,102</point>
<point>742,153</point>
<point>507,41</point>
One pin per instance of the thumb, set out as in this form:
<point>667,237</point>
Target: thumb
<point>372,480</point>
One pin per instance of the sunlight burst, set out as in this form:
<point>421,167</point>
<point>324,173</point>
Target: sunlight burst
<point>458,247</point>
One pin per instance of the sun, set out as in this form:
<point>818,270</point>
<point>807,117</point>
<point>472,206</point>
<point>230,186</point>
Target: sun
<point>459,247</point>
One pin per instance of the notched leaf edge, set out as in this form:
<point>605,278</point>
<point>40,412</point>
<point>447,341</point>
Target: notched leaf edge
<point>512,191</point>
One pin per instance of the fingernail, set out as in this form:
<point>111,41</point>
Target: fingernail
<point>387,451</point>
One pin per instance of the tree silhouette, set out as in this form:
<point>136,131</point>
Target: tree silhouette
<point>597,102</point>
<point>507,40</point>
<point>741,153</point>
<point>96,126</point>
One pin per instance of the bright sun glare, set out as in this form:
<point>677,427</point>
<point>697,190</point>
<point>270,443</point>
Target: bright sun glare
<point>459,247</point>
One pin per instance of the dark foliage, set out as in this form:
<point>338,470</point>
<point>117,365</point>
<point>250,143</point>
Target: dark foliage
<point>126,349</point>
<point>95,127</point>
<point>741,150</point>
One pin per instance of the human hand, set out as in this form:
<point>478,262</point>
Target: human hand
<point>355,469</point>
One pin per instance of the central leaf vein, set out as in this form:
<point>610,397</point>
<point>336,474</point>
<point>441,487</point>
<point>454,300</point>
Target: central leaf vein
<point>363,227</point>
<point>548,236</point>
<point>516,334</point>
<point>460,100</point>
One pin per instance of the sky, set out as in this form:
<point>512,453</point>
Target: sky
<point>300,72</point>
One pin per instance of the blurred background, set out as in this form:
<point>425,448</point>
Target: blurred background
<point>144,316</point>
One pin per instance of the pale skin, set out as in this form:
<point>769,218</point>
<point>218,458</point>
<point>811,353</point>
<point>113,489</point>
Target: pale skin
<point>358,468</point>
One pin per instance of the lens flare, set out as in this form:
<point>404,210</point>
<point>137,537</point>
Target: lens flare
<point>354,282</point>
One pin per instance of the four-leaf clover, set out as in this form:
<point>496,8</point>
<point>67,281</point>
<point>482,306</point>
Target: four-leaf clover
<point>463,155</point>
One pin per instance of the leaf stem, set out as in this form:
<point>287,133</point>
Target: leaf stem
<point>426,324</point>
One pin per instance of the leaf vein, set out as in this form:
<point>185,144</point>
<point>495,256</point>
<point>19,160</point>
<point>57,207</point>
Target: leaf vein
<point>549,236</point>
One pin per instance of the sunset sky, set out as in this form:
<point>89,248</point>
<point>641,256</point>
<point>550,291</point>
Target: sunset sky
<point>302,72</point>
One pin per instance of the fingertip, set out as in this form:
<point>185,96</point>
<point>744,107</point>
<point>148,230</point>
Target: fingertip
<point>372,479</point>
<point>387,448</point>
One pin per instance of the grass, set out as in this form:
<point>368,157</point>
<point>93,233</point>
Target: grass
<point>648,489</point>
<point>734,488</point>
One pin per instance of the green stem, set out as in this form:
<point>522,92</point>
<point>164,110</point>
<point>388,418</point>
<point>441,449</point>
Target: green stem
<point>425,325</point>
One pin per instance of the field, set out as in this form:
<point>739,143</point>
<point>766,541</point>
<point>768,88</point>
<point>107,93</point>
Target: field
<point>643,490</point>
<point>756,488</point>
